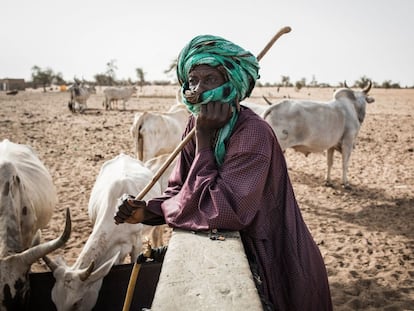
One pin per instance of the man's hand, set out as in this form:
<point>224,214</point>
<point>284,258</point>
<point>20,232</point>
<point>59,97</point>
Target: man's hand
<point>130,210</point>
<point>211,118</point>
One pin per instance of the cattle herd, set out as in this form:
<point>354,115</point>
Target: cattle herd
<point>28,195</point>
<point>80,93</point>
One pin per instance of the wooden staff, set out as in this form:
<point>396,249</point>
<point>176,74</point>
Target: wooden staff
<point>161,170</point>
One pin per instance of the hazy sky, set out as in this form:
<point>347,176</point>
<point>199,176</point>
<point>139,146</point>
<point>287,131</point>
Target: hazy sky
<point>330,41</point>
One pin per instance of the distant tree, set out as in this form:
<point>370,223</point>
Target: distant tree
<point>286,81</point>
<point>104,79</point>
<point>111,68</point>
<point>141,77</point>
<point>388,84</point>
<point>300,84</point>
<point>109,77</point>
<point>313,82</point>
<point>58,79</point>
<point>362,82</point>
<point>44,77</point>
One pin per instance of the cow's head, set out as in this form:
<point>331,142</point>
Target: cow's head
<point>14,268</point>
<point>75,288</point>
<point>359,98</point>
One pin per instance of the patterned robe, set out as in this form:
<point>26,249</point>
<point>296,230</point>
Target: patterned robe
<point>251,193</point>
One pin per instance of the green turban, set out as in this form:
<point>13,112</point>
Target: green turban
<point>242,70</point>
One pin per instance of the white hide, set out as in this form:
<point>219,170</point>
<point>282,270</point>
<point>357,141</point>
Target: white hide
<point>113,94</point>
<point>79,96</point>
<point>309,126</point>
<point>27,201</point>
<point>157,133</point>
<point>77,287</point>
<point>257,108</point>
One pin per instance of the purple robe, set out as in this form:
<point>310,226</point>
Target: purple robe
<point>251,193</point>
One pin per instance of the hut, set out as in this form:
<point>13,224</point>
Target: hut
<point>8,84</point>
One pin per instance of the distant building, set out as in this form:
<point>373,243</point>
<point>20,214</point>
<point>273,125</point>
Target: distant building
<point>12,84</point>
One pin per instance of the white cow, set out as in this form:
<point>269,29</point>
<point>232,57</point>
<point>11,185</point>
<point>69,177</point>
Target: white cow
<point>156,133</point>
<point>113,94</point>
<point>79,95</point>
<point>308,126</point>
<point>257,108</point>
<point>155,234</point>
<point>27,200</point>
<point>77,287</point>
<point>154,164</point>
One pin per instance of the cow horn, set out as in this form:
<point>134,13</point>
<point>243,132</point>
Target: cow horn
<point>32,254</point>
<point>368,87</point>
<point>140,143</point>
<point>346,85</point>
<point>50,263</point>
<point>267,101</point>
<point>87,272</point>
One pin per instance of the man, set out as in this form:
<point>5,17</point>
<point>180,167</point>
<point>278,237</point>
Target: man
<point>233,176</point>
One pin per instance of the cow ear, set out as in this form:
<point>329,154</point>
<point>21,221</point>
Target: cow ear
<point>370,100</point>
<point>103,270</point>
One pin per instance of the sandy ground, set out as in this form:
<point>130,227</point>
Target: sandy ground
<point>366,234</point>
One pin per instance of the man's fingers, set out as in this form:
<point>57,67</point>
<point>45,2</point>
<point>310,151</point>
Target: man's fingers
<point>124,214</point>
<point>135,204</point>
<point>118,220</point>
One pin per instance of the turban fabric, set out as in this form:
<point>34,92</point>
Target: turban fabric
<point>242,70</point>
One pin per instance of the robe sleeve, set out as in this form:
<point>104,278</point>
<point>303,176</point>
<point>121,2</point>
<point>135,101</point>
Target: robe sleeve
<point>226,197</point>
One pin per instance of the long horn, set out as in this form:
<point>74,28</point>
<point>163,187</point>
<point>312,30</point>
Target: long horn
<point>140,143</point>
<point>346,85</point>
<point>368,87</point>
<point>87,272</point>
<point>34,253</point>
<point>267,101</point>
<point>50,263</point>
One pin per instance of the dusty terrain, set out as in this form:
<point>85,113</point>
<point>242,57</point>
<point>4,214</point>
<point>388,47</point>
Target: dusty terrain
<point>365,234</point>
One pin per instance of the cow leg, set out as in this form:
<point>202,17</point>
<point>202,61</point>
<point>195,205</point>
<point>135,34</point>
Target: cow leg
<point>136,250</point>
<point>329,157</point>
<point>81,107</point>
<point>346,154</point>
<point>155,235</point>
<point>113,103</point>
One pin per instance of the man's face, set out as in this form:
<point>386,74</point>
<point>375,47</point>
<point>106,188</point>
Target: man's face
<point>204,77</point>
